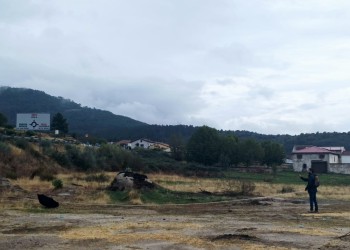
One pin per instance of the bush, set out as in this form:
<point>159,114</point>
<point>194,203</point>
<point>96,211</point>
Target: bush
<point>29,133</point>
<point>21,143</point>
<point>9,131</point>
<point>287,189</point>
<point>45,144</point>
<point>61,158</point>
<point>4,148</point>
<point>11,175</point>
<point>247,187</point>
<point>45,176</point>
<point>57,183</point>
<point>97,178</point>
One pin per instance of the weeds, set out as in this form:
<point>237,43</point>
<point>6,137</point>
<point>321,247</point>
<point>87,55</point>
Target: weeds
<point>287,189</point>
<point>100,178</point>
<point>57,184</point>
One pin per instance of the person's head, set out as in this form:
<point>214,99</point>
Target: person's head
<point>311,170</point>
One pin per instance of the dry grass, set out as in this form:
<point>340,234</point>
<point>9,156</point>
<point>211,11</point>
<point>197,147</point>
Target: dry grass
<point>135,197</point>
<point>175,232</point>
<point>34,185</point>
<point>189,184</point>
<point>15,151</point>
<point>92,192</point>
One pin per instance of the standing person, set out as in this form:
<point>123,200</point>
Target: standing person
<point>311,188</point>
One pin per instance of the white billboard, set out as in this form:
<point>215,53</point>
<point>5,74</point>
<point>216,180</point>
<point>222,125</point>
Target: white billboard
<point>33,121</point>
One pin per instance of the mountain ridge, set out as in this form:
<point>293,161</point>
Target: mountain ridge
<point>81,120</point>
<point>105,124</point>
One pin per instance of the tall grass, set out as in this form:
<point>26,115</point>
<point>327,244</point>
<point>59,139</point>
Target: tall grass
<point>90,189</point>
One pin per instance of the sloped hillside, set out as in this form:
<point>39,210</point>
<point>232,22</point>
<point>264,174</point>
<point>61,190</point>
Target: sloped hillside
<point>81,119</point>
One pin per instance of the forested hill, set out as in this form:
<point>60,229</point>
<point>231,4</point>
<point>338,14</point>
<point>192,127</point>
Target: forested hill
<point>85,120</point>
<point>316,139</point>
<point>164,133</point>
<point>81,120</point>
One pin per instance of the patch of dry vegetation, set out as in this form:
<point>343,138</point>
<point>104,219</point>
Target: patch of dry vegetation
<point>174,232</point>
<point>196,184</point>
<point>81,188</point>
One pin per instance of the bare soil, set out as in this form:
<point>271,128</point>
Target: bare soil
<point>246,223</point>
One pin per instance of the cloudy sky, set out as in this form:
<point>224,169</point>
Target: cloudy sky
<point>268,66</point>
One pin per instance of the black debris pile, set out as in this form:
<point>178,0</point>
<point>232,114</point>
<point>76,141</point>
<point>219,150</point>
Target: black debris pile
<point>130,180</point>
<point>47,202</point>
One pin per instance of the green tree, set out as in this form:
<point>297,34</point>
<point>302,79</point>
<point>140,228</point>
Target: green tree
<point>204,146</point>
<point>229,150</point>
<point>59,123</point>
<point>178,147</point>
<point>3,120</point>
<point>273,153</point>
<point>251,152</point>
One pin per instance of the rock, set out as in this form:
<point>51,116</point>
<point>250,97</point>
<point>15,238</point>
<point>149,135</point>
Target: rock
<point>5,183</point>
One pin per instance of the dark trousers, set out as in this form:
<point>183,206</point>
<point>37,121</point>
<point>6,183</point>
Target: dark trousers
<point>313,201</point>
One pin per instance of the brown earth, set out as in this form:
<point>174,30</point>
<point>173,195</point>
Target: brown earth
<point>251,223</point>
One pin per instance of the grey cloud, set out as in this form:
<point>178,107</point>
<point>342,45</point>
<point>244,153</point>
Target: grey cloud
<point>153,60</point>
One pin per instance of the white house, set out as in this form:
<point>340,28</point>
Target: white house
<point>141,143</point>
<point>321,159</point>
<point>148,144</point>
<point>345,157</point>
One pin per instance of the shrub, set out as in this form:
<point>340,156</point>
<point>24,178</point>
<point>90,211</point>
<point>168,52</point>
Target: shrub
<point>61,158</point>
<point>29,133</point>
<point>4,148</point>
<point>287,189</point>
<point>9,131</point>
<point>11,175</point>
<point>134,197</point>
<point>45,144</point>
<point>57,183</point>
<point>21,143</point>
<point>97,178</point>
<point>247,187</point>
<point>45,176</point>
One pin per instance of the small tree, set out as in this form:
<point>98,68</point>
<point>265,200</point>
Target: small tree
<point>178,147</point>
<point>3,120</point>
<point>251,151</point>
<point>59,123</point>
<point>204,146</point>
<point>273,153</point>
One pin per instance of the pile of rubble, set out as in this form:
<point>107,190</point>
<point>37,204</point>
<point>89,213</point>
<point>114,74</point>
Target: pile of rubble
<point>130,180</point>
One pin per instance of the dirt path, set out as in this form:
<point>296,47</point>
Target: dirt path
<point>245,224</point>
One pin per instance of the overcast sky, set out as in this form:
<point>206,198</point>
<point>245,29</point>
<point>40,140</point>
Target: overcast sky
<point>267,66</point>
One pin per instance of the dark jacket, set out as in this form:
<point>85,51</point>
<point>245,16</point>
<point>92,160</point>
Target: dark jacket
<point>311,184</point>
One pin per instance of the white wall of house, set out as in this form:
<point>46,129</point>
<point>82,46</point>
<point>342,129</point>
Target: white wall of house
<point>140,143</point>
<point>345,158</point>
<point>308,158</point>
<point>340,168</point>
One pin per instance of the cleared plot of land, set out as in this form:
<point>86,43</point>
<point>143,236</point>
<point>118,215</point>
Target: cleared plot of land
<point>88,219</point>
<point>259,223</point>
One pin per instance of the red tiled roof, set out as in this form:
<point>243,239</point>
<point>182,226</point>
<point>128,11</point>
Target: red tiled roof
<point>313,150</point>
<point>123,142</point>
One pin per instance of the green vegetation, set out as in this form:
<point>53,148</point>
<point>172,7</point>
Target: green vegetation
<point>288,177</point>
<point>59,123</point>
<point>57,183</point>
<point>104,124</point>
<point>208,147</point>
<point>163,196</point>
<point>3,120</point>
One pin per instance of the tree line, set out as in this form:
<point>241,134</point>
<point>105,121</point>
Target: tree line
<point>209,147</point>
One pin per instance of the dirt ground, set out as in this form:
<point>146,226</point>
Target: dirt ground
<point>246,223</point>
